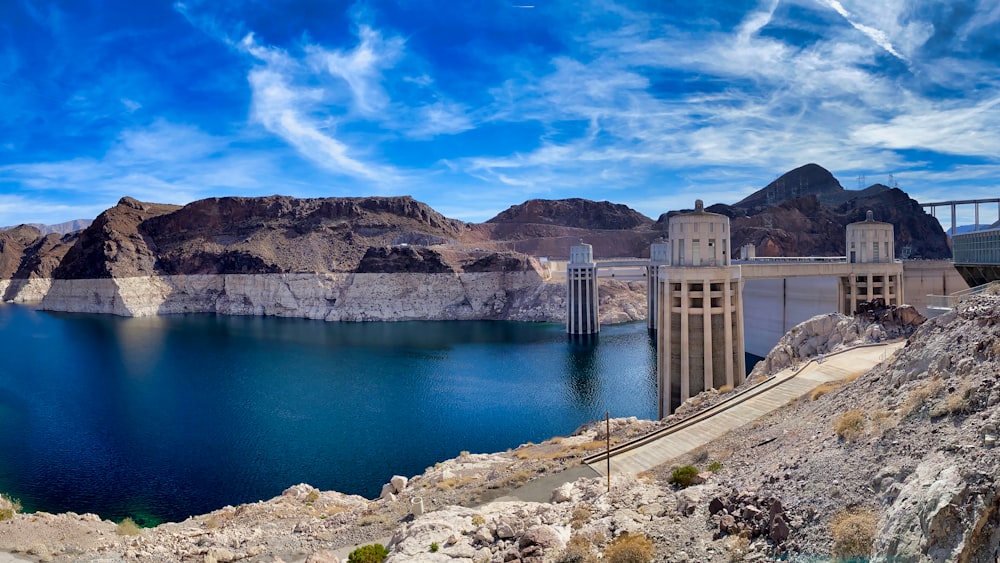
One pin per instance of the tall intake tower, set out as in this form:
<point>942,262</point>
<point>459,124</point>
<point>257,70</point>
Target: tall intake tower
<point>582,315</point>
<point>700,313</point>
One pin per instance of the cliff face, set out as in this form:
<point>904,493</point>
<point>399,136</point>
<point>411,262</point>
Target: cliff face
<point>113,246</point>
<point>279,234</point>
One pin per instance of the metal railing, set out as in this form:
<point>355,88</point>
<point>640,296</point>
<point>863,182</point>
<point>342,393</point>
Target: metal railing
<point>949,302</point>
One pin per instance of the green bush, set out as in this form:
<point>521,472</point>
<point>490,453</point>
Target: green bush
<point>682,476</point>
<point>715,467</point>
<point>372,553</point>
<point>628,548</point>
<point>434,547</point>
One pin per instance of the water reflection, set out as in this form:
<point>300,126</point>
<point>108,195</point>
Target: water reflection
<point>160,418</point>
<point>582,372</point>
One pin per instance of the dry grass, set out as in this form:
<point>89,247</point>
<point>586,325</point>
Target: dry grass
<point>128,527</point>
<point>452,482</point>
<point>478,520</point>
<point>725,389</point>
<point>851,425</point>
<point>738,548</point>
<point>882,420</point>
<point>853,534</point>
<point>8,507</point>
<point>591,446</point>
<point>824,389</point>
<point>919,397</point>
<point>539,453</point>
<point>518,477</point>
<point>580,516</point>
<point>578,550</point>
<point>851,377</point>
<point>958,402</point>
<point>699,455</point>
<point>629,548</point>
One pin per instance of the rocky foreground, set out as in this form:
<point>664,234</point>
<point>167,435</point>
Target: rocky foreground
<point>899,464</point>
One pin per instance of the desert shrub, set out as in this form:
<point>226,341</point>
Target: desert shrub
<point>919,396</point>
<point>850,425</point>
<point>128,527</point>
<point>699,454</point>
<point>8,507</point>
<point>738,547</point>
<point>629,548</point>
<point>577,550</point>
<point>478,520</point>
<point>682,476</point>
<point>853,533</point>
<point>371,553</point>
<point>715,467</point>
<point>958,402</point>
<point>725,389</point>
<point>313,496</point>
<point>434,547</point>
<point>580,515</point>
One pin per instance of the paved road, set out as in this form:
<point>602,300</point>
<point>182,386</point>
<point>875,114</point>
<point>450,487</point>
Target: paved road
<point>786,386</point>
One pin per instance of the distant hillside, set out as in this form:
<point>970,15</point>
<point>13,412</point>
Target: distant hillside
<point>60,228</point>
<point>543,227</point>
<point>281,234</point>
<point>574,212</point>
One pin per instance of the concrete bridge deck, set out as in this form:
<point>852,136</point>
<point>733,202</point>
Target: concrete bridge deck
<point>662,446</point>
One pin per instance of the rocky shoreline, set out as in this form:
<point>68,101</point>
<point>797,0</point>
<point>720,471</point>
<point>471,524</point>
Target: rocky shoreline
<point>353,297</point>
<point>897,464</point>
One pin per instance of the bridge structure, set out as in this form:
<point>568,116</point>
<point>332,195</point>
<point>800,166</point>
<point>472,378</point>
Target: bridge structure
<point>695,295</point>
<point>954,204</point>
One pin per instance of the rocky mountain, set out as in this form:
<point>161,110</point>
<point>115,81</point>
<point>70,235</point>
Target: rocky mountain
<point>805,211</point>
<point>59,228</point>
<point>549,227</point>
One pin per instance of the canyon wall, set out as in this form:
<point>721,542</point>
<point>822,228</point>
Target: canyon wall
<point>522,296</point>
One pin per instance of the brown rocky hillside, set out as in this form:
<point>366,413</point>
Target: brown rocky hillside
<point>805,211</point>
<point>280,234</point>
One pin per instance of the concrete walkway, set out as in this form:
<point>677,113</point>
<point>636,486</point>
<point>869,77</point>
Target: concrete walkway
<point>791,383</point>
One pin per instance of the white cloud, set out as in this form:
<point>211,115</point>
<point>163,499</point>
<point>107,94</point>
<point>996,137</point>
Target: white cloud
<point>361,68</point>
<point>966,130</point>
<point>877,35</point>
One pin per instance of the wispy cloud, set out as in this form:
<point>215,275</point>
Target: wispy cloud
<point>877,35</point>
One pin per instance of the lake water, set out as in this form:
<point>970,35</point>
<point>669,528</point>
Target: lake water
<point>162,418</point>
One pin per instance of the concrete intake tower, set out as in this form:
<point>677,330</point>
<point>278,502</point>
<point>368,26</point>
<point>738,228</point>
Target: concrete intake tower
<point>700,313</point>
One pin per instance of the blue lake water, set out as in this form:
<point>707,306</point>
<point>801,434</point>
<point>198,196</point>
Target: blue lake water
<point>162,418</point>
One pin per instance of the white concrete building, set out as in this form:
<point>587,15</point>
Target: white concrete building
<point>874,272</point>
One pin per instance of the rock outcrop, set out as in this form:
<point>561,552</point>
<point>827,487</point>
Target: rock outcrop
<point>824,334</point>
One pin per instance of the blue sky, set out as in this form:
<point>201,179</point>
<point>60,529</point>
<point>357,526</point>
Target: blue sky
<point>475,106</point>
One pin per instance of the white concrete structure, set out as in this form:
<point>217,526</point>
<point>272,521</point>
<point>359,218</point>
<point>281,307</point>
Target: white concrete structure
<point>700,318</point>
<point>582,316</point>
<point>698,296</point>
<point>659,255</point>
<point>874,273</point>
